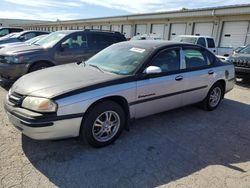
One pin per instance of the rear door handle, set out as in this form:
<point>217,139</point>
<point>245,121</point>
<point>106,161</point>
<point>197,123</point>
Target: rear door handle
<point>179,78</point>
<point>210,72</point>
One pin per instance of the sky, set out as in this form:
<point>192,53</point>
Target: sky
<point>79,9</point>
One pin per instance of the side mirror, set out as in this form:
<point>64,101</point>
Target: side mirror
<point>63,47</point>
<point>152,70</point>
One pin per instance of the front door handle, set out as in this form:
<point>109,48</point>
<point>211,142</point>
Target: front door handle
<point>179,78</point>
<point>210,72</point>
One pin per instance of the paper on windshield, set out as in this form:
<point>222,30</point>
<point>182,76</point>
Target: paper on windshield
<point>138,50</point>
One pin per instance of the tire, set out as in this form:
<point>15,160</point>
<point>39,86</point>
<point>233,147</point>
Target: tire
<point>214,97</point>
<point>39,66</point>
<point>96,130</point>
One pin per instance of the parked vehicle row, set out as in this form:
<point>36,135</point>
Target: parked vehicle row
<point>7,30</point>
<point>19,44</point>
<point>22,36</point>
<point>97,98</point>
<point>147,37</point>
<point>205,41</point>
<point>57,48</point>
<point>241,61</point>
<point>239,56</point>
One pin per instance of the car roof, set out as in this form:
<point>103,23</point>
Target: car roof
<point>195,36</point>
<point>11,28</point>
<point>27,31</point>
<point>88,30</point>
<point>155,44</point>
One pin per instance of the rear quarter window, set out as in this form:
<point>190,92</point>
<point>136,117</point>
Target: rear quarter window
<point>101,39</point>
<point>16,30</point>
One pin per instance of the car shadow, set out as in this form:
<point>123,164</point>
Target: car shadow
<point>157,150</point>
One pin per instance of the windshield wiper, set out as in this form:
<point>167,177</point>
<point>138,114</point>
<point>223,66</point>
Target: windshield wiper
<point>81,62</point>
<point>96,67</point>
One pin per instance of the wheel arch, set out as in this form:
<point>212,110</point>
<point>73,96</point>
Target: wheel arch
<point>122,101</point>
<point>40,61</point>
<point>223,83</point>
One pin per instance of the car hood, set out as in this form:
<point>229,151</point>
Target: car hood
<point>20,49</point>
<point>9,40</point>
<point>58,80</point>
<point>240,56</point>
<point>14,44</point>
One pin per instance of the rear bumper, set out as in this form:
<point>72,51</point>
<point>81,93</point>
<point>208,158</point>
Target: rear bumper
<point>11,72</point>
<point>39,127</point>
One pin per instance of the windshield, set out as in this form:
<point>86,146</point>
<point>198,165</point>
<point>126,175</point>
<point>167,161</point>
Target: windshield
<point>245,50</point>
<point>191,40</point>
<point>35,39</point>
<point>18,34</point>
<point>51,39</point>
<point>121,58</point>
<point>9,35</point>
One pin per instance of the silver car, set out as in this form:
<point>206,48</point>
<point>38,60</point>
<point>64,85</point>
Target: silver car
<point>96,99</point>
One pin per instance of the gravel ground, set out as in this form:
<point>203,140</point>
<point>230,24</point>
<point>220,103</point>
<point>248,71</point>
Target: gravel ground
<point>187,147</point>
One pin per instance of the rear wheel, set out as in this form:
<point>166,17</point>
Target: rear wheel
<point>214,97</point>
<point>103,124</point>
<point>39,66</point>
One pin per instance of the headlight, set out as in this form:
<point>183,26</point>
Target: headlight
<point>13,59</point>
<point>39,104</point>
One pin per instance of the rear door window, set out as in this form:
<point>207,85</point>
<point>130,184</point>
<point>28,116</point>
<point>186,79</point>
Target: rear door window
<point>12,30</point>
<point>210,43</point>
<point>196,58</point>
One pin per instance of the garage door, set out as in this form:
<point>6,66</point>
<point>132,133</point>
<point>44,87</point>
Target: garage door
<point>234,34</point>
<point>96,27</point>
<point>115,28</point>
<point>141,29</point>
<point>127,31</point>
<point>158,29</point>
<point>177,29</point>
<point>203,29</point>
<point>106,27</point>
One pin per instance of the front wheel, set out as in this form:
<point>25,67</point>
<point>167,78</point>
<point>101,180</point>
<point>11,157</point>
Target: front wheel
<point>214,97</point>
<point>103,124</point>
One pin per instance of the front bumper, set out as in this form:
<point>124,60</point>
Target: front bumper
<point>44,127</point>
<point>242,71</point>
<point>11,72</point>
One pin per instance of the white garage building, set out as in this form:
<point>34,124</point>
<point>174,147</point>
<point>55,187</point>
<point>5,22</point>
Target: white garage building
<point>229,25</point>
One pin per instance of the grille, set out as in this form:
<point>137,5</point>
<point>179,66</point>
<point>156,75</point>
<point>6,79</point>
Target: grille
<point>241,63</point>
<point>15,99</point>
